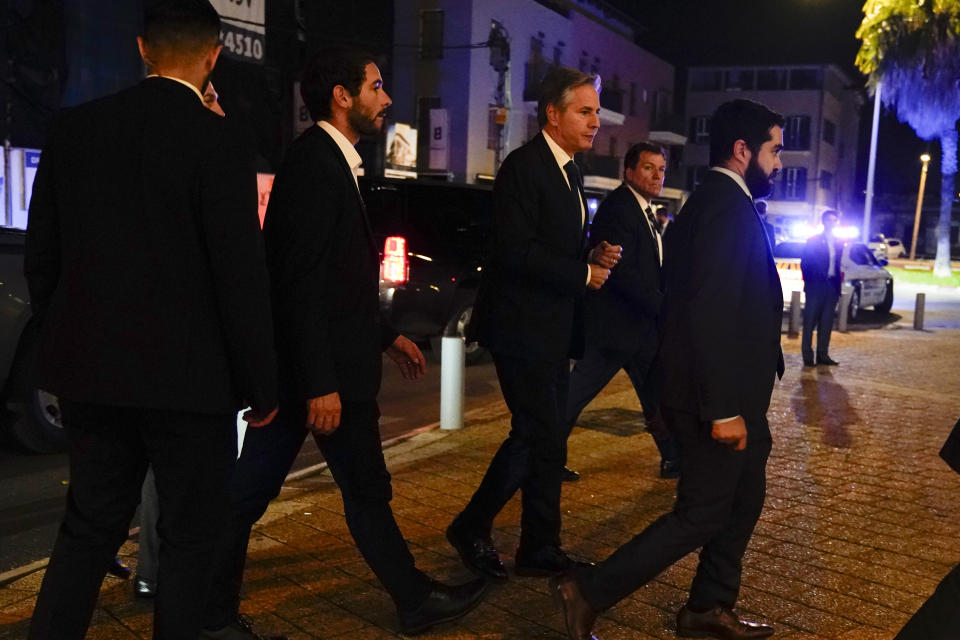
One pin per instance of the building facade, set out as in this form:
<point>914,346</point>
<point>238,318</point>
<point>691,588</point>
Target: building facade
<point>821,105</point>
<point>446,74</point>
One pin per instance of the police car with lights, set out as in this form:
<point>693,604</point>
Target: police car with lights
<point>864,277</point>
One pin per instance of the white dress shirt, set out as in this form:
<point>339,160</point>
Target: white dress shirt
<point>643,206</point>
<point>346,148</point>
<point>562,159</point>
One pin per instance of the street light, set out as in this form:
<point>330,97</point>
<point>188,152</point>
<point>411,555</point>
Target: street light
<point>925,158</point>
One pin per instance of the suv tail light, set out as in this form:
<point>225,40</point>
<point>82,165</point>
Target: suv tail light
<point>395,267</point>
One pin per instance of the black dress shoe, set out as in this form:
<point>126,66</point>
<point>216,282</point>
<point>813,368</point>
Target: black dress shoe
<point>240,628</point>
<point>476,551</point>
<point>719,622</point>
<point>669,469</point>
<point>119,569</point>
<point>827,360</point>
<point>444,604</point>
<point>144,587</point>
<point>578,615</point>
<point>568,475</point>
<point>544,562</point>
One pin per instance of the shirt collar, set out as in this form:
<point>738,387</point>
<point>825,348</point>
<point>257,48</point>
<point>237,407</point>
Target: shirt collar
<point>643,201</point>
<point>559,154</point>
<point>346,147</point>
<point>735,177</point>
<point>183,82</point>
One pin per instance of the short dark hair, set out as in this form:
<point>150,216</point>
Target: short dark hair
<point>329,67</point>
<point>828,212</point>
<point>740,120</point>
<point>556,89</point>
<point>180,27</point>
<point>633,153</point>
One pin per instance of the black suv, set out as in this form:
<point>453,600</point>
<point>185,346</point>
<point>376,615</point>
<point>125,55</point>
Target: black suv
<point>431,237</point>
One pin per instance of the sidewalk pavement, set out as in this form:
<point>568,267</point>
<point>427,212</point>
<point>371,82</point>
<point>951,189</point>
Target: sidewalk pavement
<point>861,520</point>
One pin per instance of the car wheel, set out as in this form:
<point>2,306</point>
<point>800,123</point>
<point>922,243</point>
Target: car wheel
<point>457,326</point>
<point>885,306</point>
<point>36,423</point>
<point>853,310</point>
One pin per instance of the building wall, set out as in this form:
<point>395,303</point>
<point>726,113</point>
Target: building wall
<point>466,83</point>
<point>830,167</point>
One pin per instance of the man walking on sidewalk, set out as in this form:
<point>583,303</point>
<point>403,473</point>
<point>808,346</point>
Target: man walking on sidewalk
<point>821,286</point>
<point>528,313</point>
<point>324,270</point>
<point>146,270</point>
<point>622,319</point>
<point>720,354</point>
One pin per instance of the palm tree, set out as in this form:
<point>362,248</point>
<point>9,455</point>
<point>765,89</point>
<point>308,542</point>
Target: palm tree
<point>912,48</point>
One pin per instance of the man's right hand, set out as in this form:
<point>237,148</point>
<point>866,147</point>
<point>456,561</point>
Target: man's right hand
<point>254,419</point>
<point>598,275</point>
<point>323,413</point>
<point>732,432</point>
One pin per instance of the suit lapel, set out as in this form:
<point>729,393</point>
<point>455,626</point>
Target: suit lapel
<point>640,219</point>
<point>348,176</point>
<point>558,177</point>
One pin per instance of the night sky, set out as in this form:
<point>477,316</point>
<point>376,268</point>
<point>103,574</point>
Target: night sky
<point>696,32</point>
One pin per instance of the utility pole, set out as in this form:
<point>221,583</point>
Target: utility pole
<point>499,43</point>
<point>925,158</point>
<point>872,168</point>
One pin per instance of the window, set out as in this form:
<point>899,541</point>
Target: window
<point>431,35</point>
<point>805,79</point>
<point>557,55</point>
<point>613,147</point>
<point>826,181</point>
<point>695,176</point>
<point>595,67</point>
<point>702,80</point>
<point>536,47</point>
<point>633,98</point>
<point>772,79</point>
<point>829,132</point>
<point>738,80</point>
<point>860,254</point>
<point>796,135</point>
<point>583,62</point>
<point>700,129</point>
<point>794,183</point>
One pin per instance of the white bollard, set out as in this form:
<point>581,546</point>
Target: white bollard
<point>452,363</point>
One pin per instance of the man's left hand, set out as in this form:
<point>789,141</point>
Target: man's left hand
<point>605,255</point>
<point>408,357</point>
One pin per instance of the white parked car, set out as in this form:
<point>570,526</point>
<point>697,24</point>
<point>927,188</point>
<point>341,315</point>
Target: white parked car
<point>896,248</point>
<point>878,245</point>
<point>869,284</point>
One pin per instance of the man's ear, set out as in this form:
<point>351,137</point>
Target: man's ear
<point>145,54</point>
<point>741,152</point>
<point>342,97</point>
<point>213,56</point>
<point>553,115</point>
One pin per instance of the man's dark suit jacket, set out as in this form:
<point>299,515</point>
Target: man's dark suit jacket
<point>145,260</point>
<point>324,272</point>
<point>622,316</point>
<point>951,448</point>
<point>723,308</point>
<point>530,300</point>
<point>815,263</point>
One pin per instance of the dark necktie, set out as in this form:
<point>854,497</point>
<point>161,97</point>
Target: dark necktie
<point>654,223</point>
<point>573,175</point>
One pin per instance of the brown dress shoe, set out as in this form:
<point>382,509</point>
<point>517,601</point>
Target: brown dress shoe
<point>719,622</point>
<point>578,615</point>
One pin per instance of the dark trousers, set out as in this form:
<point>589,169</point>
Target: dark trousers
<point>110,447</point>
<point>939,617</point>
<point>355,457</point>
<point>529,459</point>
<point>818,312</point>
<point>719,499</point>
<point>595,370</point>
<point>148,548</point>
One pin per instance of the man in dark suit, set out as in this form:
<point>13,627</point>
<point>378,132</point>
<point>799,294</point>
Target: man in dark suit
<point>324,271</point>
<point>528,314</point>
<point>822,279</point>
<point>939,617</point>
<point>622,318</point>
<point>720,354</point>
<point>146,270</point>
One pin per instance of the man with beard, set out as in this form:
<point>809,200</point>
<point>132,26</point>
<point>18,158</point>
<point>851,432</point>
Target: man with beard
<point>719,354</point>
<point>146,271</point>
<point>324,272</point>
